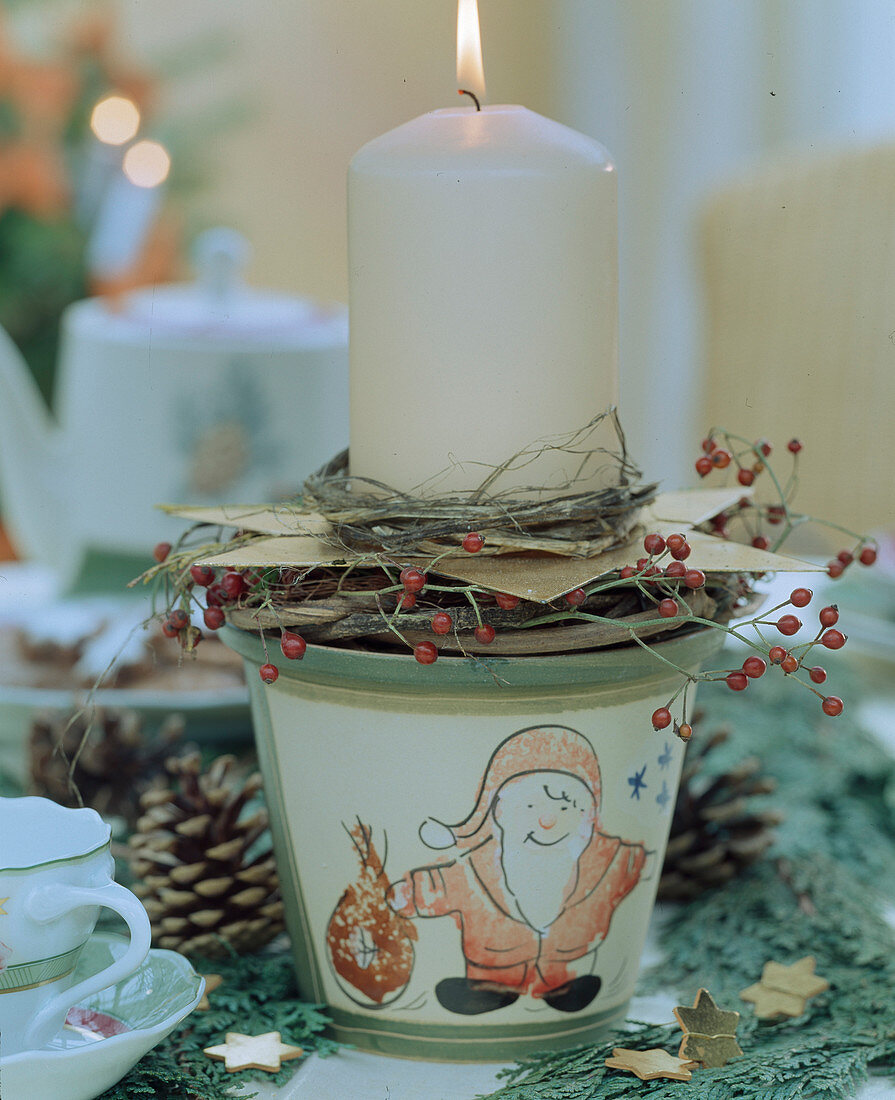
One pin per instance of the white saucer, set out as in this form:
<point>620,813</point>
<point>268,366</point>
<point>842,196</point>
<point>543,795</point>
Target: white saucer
<point>108,1033</point>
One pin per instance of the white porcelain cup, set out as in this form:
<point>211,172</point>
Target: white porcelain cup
<point>56,872</point>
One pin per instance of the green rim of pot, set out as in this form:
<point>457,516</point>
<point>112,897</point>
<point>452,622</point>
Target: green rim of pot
<point>617,665</point>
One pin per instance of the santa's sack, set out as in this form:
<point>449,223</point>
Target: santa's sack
<point>469,852</point>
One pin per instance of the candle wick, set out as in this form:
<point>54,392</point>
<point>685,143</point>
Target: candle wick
<point>472,96</point>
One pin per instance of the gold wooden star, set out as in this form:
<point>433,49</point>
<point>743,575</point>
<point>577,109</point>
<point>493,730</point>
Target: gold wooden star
<point>650,1064</point>
<point>785,990</point>
<point>212,981</point>
<point>708,1031</point>
<point>253,1052</point>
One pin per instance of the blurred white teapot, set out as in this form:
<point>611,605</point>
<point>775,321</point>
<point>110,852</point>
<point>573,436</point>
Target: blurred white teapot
<point>205,392</point>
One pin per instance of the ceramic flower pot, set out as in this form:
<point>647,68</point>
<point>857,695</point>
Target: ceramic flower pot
<point>469,852</point>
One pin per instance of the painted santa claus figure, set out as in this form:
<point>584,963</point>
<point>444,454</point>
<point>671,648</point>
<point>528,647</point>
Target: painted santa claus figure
<point>534,881</point>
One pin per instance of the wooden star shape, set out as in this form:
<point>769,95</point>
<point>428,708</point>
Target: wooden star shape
<point>212,981</point>
<point>785,990</point>
<point>708,1031</point>
<point>253,1052</point>
<point>650,1064</point>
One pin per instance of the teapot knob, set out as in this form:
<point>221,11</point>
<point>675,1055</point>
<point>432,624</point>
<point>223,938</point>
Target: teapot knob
<point>220,257</point>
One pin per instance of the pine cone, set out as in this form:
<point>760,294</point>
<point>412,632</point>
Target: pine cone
<point>114,760</point>
<point>204,885</point>
<point>715,831</point>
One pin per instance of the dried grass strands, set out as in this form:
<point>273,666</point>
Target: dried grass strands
<point>369,516</point>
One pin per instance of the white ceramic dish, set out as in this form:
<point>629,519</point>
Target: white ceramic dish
<point>110,1032</point>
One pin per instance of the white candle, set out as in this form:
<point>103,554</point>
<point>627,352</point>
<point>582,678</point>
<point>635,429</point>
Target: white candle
<point>483,296</point>
<point>128,211</point>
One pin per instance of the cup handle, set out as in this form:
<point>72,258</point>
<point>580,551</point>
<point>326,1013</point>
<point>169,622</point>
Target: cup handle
<point>48,903</point>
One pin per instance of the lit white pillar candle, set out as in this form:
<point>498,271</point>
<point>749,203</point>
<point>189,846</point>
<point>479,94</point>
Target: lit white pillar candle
<point>128,212</point>
<point>483,296</point>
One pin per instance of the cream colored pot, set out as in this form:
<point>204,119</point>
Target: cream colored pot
<point>469,852</point>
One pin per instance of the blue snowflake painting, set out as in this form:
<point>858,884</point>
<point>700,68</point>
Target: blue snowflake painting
<point>637,784</point>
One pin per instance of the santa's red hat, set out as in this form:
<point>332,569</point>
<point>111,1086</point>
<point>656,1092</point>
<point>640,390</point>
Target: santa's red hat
<point>539,749</point>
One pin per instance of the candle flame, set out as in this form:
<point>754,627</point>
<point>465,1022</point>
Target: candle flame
<point>147,163</point>
<point>115,120</point>
<point>470,71</point>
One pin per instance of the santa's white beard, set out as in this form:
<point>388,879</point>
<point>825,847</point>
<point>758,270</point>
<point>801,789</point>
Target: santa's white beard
<point>541,879</point>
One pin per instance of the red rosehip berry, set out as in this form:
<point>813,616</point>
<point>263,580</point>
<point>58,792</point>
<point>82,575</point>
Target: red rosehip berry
<point>721,458</point>
<point>703,465</point>
<point>800,597</point>
<point>829,616</point>
<point>776,514</point>
<point>789,663</point>
<point>789,625</point>
<point>817,674</point>
<point>233,585</point>
<point>161,550</point>
<point>668,608</point>
<point>760,542</point>
<point>426,653</point>
<point>215,596</point>
<point>473,542</point>
<point>203,575</point>
<point>169,630</point>
<point>763,447</point>
<point>576,597</point>
<point>642,563</point>
<point>737,681</point>
<point>214,618</point>
<point>414,580</point>
<point>485,634</point>
<point>745,477</point>
<point>794,446</point>
<point>293,645</point>
<point>675,569</point>
<point>506,601</point>
<point>835,568</point>
<point>776,654</point>
<point>694,578</point>
<point>846,557</point>
<point>754,667</point>
<point>833,639</point>
<point>709,445</point>
<point>442,623</point>
<point>269,673</point>
<point>661,718</point>
<point>675,542</point>
<point>684,731</point>
<point>832,705</point>
<point>405,600</point>
<point>867,556</point>
<point>626,572</point>
<point>681,553</point>
<point>654,544</point>
<point>178,619</point>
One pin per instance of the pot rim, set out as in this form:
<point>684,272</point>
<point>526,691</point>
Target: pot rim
<point>617,665</point>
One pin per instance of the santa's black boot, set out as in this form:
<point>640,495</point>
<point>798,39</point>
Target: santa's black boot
<point>466,998</point>
<point>576,995</point>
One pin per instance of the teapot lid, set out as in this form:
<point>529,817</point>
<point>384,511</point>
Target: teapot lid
<point>219,305</point>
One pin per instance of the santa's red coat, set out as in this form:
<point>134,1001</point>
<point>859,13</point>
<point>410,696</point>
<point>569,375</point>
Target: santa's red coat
<point>499,945</point>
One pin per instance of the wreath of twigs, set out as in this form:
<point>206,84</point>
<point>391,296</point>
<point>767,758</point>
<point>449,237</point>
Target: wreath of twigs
<point>392,595</point>
<point>370,517</point>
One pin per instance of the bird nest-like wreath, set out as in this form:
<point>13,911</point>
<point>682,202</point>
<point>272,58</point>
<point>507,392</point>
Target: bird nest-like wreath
<point>391,571</point>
